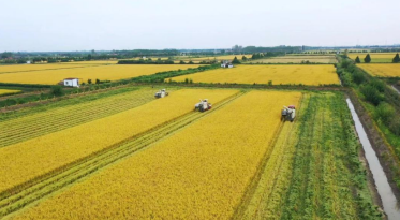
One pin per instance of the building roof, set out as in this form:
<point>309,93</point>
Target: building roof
<point>70,78</point>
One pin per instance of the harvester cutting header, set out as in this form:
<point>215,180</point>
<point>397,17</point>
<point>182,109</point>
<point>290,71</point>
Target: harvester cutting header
<point>288,113</point>
<point>202,106</point>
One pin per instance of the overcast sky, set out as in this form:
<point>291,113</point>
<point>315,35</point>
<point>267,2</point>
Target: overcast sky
<point>51,25</point>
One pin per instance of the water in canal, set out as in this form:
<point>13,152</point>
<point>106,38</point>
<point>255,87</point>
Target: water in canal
<point>389,200</point>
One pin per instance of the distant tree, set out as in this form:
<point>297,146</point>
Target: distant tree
<point>89,57</point>
<point>244,58</point>
<point>36,60</point>
<point>367,59</point>
<point>357,59</point>
<point>396,59</point>
<point>182,62</point>
<point>191,62</point>
<point>235,60</point>
<point>6,55</point>
<point>89,81</point>
<point>159,59</point>
<point>21,61</point>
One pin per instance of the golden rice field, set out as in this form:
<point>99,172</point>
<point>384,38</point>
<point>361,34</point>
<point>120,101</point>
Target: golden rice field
<point>158,159</point>
<point>12,68</point>
<point>26,160</point>
<point>96,62</point>
<point>297,59</point>
<point>201,172</point>
<point>382,70</point>
<point>313,75</point>
<point>8,91</point>
<point>375,57</point>
<point>110,72</point>
<point>219,58</point>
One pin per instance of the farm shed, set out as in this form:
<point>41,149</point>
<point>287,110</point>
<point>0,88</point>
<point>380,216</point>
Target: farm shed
<point>73,82</point>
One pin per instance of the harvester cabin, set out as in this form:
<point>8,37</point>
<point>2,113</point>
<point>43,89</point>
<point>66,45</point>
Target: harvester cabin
<point>71,82</point>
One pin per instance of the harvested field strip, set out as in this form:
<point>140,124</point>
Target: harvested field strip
<point>313,171</point>
<point>328,180</point>
<point>19,163</point>
<point>68,101</point>
<point>25,128</point>
<point>200,172</point>
<point>25,195</point>
<point>275,174</point>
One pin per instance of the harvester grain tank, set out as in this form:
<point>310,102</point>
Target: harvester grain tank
<point>202,106</point>
<point>288,113</point>
<point>161,94</point>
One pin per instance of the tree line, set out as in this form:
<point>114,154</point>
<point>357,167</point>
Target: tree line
<point>368,59</point>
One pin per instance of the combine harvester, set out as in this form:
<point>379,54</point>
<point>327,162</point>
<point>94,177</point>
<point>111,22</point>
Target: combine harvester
<point>288,113</point>
<point>161,94</point>
<point>202,106</point>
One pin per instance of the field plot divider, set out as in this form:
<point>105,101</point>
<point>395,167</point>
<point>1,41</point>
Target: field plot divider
<point>34,190</point>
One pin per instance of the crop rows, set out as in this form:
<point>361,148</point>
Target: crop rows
<point>25,128</point>
<point>276,74</point>
<point>266,198</point>
<point>110,72</point>
<point>310,173</point>
<point>19,197</point>
<point>197,173</point>
<point>322,185</point>
<point>26,160</point>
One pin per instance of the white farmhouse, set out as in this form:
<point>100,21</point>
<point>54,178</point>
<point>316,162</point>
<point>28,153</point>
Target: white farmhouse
<point>73,82</point>
<point>226,64</point>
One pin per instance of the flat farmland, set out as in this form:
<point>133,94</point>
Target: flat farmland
<point>382,70</point>
<point>297,59</point>
<point>375,57</point>
<point>96,62</point>
<point>236,161</point>
<point>110,72</point>
<point>14,68</point>
<point>199,173</point>
<point>312,75</point>
<point>219,58</point>
<point>46,154</point>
